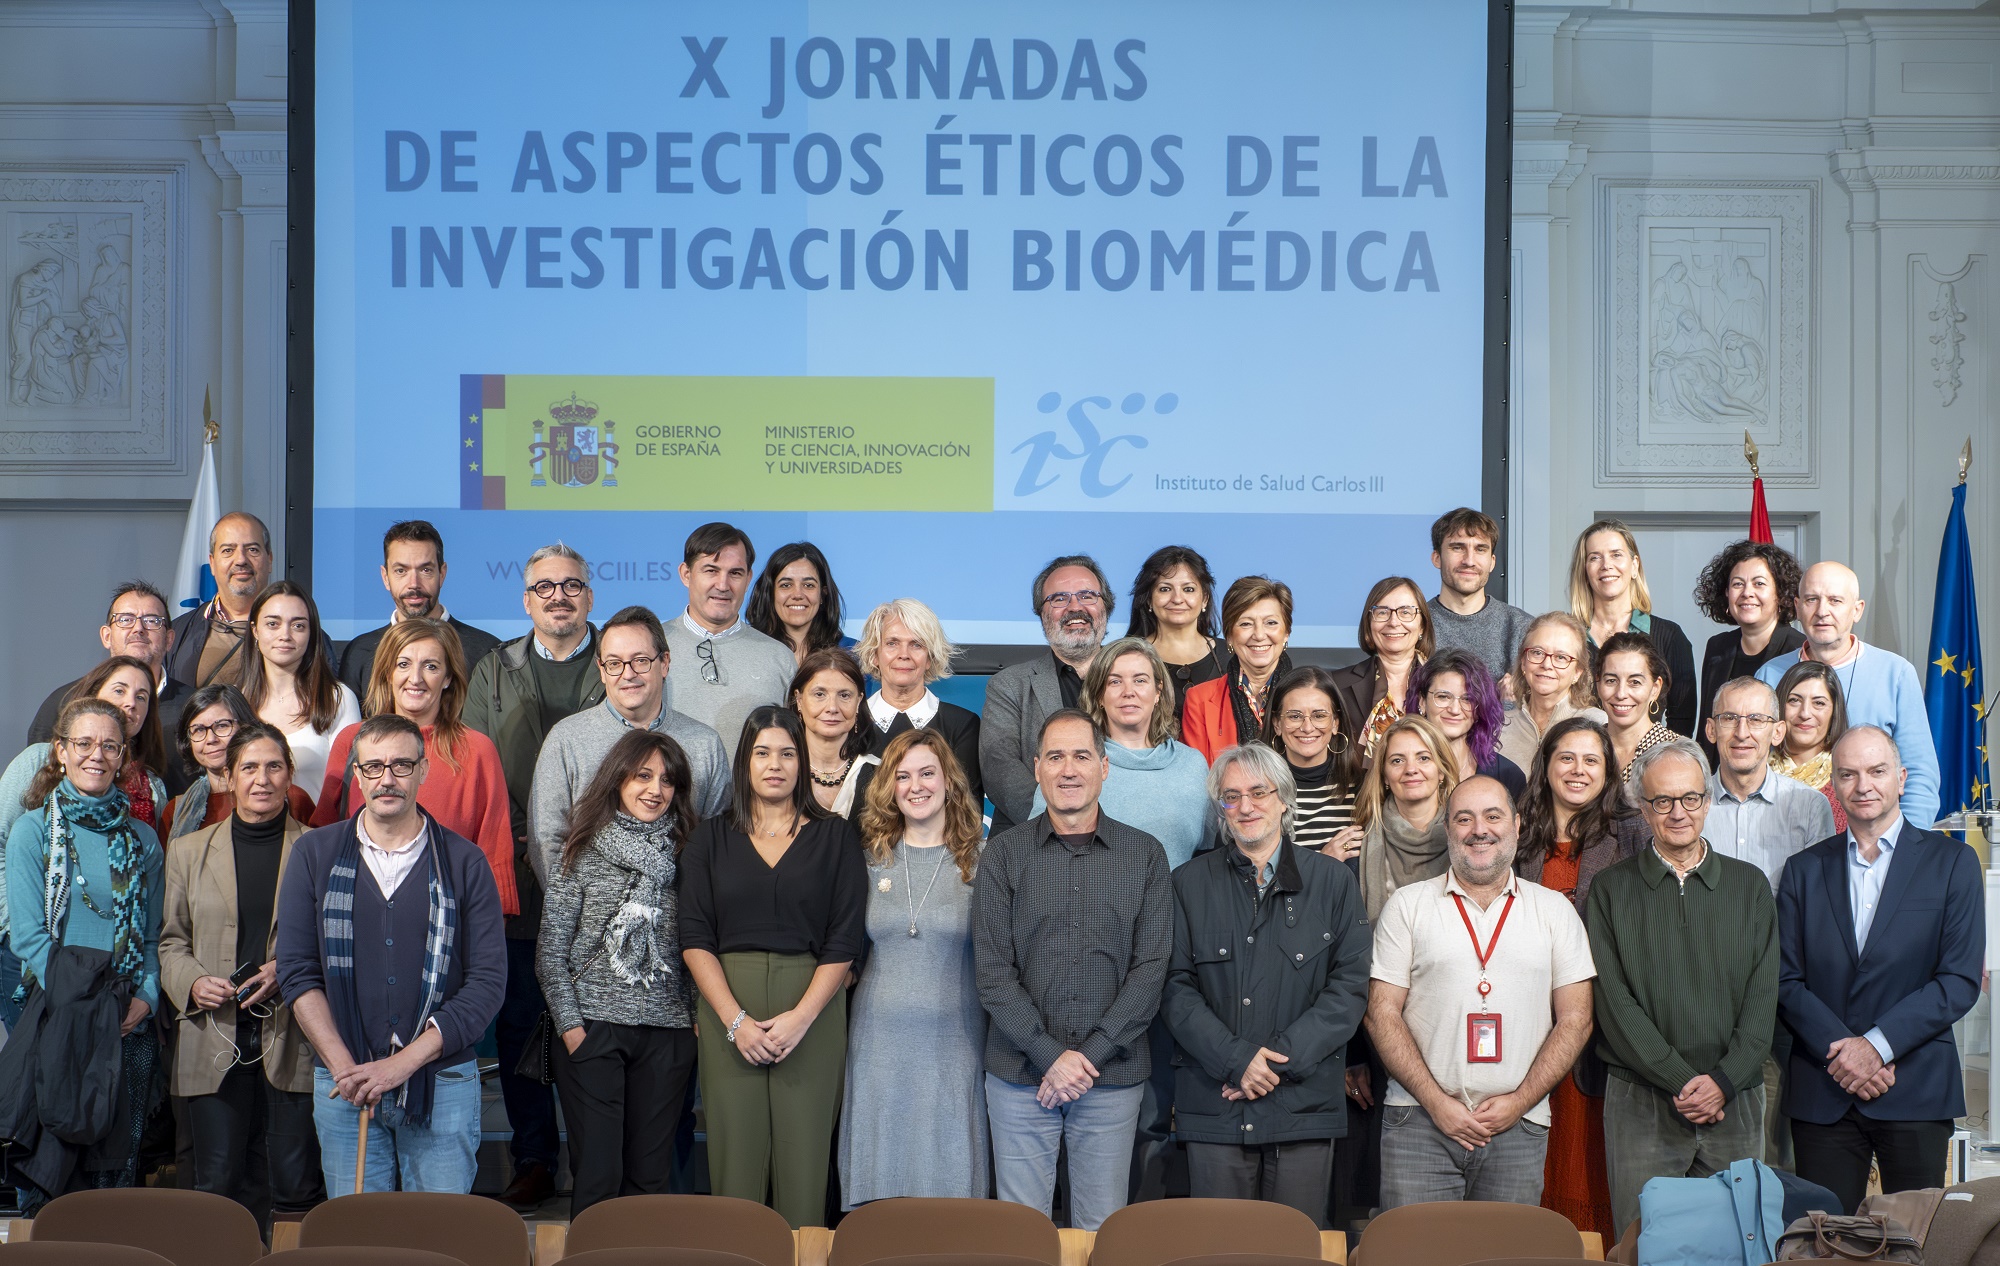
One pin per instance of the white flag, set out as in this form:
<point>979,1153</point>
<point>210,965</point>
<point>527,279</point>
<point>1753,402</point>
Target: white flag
<point>193,583</point>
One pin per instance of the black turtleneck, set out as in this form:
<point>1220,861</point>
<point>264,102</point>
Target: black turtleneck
<point>259,846</point>
<point>1310,776</point>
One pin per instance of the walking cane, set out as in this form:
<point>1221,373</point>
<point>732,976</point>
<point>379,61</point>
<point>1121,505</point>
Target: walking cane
<point>361,1151</point>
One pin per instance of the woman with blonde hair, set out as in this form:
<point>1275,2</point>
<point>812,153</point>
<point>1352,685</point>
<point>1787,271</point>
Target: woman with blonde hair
<point>1401,807</point>
<point>1608,593</point>
<point>419,673</point>
<point>1155,782</point>
<point>903,646</point>
<point>917,1127</point>
<point>1552,683</point>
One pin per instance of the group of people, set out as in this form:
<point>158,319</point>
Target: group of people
<point>1257,908</point>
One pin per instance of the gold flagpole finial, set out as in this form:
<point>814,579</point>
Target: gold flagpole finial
<point>1750,454</point>
<point>1965,459</point>
<point>211,430</point>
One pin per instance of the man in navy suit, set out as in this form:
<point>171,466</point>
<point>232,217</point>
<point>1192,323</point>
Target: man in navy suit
<point>1883,937</point>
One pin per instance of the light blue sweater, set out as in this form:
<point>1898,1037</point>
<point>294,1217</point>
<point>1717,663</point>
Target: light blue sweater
<point>14,783</point>
<point>1882,688</point>
<point>27,868</point>
<point>1161,790</point>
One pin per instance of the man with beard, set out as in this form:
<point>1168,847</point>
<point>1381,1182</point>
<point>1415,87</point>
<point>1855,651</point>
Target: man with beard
<point>212,643</point>
<point>392,995</point>
<point>516,696</point>
<point>1477,1015</point>
<point>1074,602</point>
<point>413,572</point>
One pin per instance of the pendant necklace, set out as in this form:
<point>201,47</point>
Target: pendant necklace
<point>909,887</point>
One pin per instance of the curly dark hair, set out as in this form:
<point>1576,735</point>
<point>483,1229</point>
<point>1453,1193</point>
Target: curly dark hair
<point>1711,591</point>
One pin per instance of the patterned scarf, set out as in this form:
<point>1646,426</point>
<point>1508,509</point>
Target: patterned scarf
<point>337,947</point>
<point>640,940</point>
<point>190,809</point>
<point>1247,706</point>
<point>109,815</point>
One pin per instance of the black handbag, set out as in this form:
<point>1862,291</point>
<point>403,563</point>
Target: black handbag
<point>538,1057</point>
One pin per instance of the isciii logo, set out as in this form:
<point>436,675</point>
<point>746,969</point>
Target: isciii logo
<point>1087,459</point>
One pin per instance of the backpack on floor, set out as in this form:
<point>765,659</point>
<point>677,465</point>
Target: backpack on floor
<point>1731,1218</point>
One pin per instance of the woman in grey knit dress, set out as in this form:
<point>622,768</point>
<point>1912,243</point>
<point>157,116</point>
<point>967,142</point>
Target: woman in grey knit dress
<point>914,1121</point>
<point>610,965</point>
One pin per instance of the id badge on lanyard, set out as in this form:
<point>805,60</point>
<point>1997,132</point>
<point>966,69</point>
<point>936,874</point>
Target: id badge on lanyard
<point>1483,1028</point>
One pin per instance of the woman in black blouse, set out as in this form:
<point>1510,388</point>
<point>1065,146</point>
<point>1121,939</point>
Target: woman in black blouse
<point>773,907</point>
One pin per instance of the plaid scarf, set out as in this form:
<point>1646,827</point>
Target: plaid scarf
<point>108,815</point>
<point>337,948</point>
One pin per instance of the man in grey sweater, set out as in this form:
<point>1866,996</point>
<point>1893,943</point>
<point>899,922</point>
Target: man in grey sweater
<point>632,658</point>
<point>722,668</point>
<point>1465,548</point>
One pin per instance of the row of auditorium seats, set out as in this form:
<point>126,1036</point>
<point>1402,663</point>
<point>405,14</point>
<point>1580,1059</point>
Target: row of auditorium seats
<point>147,1226</point>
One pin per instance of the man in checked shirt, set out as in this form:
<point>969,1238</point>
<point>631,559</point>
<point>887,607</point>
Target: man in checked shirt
<point>1073,927</point>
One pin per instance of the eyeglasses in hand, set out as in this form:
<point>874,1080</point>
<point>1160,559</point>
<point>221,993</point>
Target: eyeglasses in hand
<point>373,769</point>
<point>546,589</point>
<point>1663,805</point>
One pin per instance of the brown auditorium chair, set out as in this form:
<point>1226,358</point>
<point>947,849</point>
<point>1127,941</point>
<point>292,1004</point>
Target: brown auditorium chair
<point>961,1259</point>
<point>655,1257</point>
<point>1240,1259</point>
<point>188,1228</point>
<point>723,1224</point>
<point>910,1225</point>
<point>1460,1232</point>
<point>1155,1232</point>
<point>77,1253</point>
<point>1526,1261</point>
<point>359,1255</point>
<point>475,1230</point>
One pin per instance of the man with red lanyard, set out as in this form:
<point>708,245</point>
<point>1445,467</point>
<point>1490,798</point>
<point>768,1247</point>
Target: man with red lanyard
<point>1479,1005</point>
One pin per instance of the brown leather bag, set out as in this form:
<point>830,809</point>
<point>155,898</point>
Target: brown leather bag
<point>1888,1228</point>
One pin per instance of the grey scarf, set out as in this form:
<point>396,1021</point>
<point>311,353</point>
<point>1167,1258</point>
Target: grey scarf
<point>1395,854</point>
<point>190,809</point>
<point>640,940</point>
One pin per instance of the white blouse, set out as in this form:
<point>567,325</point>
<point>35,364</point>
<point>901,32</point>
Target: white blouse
<point>310,747</point>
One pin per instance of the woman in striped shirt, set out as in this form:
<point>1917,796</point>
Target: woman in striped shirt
<point>1307,723</point>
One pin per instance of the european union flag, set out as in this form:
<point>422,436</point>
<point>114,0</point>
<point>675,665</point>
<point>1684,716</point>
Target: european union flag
<point>1953,689</point>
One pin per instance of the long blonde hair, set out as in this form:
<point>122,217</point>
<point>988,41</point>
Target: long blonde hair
<point>402,635</point>
<point>1582,598</point>
<point>1582,691</point>
<point>882,821</point>
<point>1375,790</point>
<point>1161,725</point>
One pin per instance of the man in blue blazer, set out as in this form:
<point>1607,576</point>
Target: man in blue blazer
<point>1883,937</point>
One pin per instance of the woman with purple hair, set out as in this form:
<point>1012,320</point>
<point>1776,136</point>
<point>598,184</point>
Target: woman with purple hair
<point>1455,691</point>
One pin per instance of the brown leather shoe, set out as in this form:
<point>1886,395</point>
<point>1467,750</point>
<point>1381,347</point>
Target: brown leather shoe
<point>533,1184</point>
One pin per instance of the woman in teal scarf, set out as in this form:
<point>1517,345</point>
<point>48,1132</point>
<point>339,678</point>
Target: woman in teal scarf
<point>82,871</point>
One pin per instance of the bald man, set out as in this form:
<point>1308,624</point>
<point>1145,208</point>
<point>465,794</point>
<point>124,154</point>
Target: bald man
<point>1880,687</point>
<point>211,642</point>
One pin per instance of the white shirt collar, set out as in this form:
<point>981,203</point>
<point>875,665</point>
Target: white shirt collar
<point>695,627</point>
<point>921,713</point>
<point>535,640</point>
<point>389,868</point>
<point>1452,885</point>
<point>1765,790</point>
<point>1887,843</point>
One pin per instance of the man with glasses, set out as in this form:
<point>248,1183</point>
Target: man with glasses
<point>1686,944</point>
<point>390,953</point>
<point>137,624</point>
<point>1072,928</point>
<point>723,668</point>
<point>1478,1009</point>
<point>1879,687</point>
<point>413,572</point>
<point>1074,602</point>
<point>1763,817</point>
<point>516,696</point>
<point>1884,933</point>
<point>1267,986</point>
<point>632,663</point>
<point>1465,548</point>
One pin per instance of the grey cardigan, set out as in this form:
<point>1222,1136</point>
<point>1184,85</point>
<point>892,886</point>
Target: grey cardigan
<point>576,974</point>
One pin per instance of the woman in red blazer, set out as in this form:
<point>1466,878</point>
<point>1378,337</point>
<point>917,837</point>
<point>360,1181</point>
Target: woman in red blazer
<point>1256,622</point>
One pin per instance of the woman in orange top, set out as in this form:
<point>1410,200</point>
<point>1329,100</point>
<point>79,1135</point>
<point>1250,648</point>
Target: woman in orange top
<point>1257,622</point>
<point>419,673</point>
<point>1575,821</point>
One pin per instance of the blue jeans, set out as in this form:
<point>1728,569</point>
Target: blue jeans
<point>1026,1138</point>
<point>443,1156</point>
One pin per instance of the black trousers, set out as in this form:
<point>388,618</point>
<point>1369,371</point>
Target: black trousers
<point>531,1106</point>
<point>1911,1154</point>
<point>255,1143</point>
<point>621,1098</point>
<point>1294,1173</point>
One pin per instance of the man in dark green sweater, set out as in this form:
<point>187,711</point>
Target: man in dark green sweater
<point>1686,946</point>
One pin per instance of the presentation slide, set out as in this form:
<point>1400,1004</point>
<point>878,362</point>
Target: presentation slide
<point>946,289</point>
